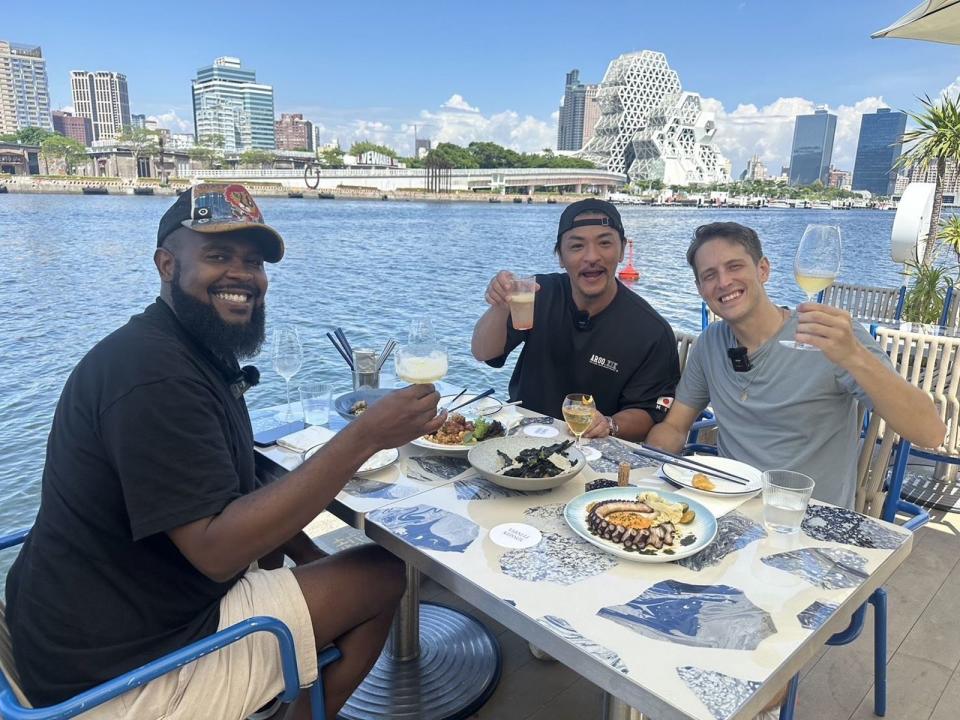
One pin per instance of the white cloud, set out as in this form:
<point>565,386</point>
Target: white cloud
<point>173,122</point>
<point>68,108</point>
<point>951,90</point>
<point>456,102</point>
<point>455,121</point>
<point>768,131</point>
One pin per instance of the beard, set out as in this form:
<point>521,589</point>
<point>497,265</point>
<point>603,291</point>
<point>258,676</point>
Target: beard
<point>205,324</point>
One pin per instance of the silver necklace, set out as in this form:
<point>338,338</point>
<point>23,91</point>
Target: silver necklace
<point>743,391</point>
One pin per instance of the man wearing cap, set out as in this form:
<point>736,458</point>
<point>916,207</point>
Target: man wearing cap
<point>590,333</point>
<point>152,520</point>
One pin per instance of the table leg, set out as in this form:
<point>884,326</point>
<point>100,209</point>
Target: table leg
<point>945,472</point>
<point>615,709</point>
<point>438,664</point>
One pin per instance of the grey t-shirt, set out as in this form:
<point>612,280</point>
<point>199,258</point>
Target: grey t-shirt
<point>793,410</point>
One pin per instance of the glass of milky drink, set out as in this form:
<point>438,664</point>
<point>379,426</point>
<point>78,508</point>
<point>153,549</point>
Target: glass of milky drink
<point>420,363</point>
<point>521,298</point>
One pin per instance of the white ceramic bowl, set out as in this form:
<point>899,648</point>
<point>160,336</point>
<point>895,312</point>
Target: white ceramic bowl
<point>484,458</point>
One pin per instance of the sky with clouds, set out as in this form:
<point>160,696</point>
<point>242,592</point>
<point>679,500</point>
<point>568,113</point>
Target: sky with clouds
<point>383,71</point>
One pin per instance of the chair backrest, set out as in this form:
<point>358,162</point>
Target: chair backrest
<point>6,659</point>
<point>707,315</point>
<point>950,317</point>
<point>685,341</point>
<point>865,302</point>
<point>873,465</point>
<point>932,364</point>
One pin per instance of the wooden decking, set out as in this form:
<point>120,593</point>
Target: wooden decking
<point>923,641</point>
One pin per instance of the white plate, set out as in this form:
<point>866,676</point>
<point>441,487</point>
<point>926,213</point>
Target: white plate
<point>442,448</point>
<point>703,528</point>
<point>377,461</point>
<point>683,477</point>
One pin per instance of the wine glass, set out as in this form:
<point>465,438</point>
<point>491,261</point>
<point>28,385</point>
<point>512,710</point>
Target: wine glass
<point>578,410</point>
<point>816,266</point>
<point>287,357</point>
<point>421,332</point>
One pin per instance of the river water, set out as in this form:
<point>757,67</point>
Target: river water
<point>75,268</point>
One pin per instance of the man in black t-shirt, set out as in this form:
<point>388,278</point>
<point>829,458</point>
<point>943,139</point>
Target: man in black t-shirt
<point>590,333</point>
<point>151,518</point>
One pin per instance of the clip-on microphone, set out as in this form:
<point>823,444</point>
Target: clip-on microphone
<point>581,320</point>
<point>738,358</point>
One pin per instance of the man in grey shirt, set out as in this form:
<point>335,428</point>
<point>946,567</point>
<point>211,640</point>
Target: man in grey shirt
<point>791,409</point>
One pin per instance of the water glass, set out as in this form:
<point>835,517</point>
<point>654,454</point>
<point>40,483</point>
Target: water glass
<point>785,497</point>
<point>316,398</point>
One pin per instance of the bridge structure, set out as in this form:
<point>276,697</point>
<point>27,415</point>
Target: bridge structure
<point>392,179</point>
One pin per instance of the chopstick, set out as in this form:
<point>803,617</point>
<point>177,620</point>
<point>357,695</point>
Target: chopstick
<point>341,336</point>
<point>455,398</point>
<point>343,353</point>
<point>688,464</point>
<point>481,396</point>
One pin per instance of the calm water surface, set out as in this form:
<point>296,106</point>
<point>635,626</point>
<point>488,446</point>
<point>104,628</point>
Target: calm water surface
<point>75,268</point>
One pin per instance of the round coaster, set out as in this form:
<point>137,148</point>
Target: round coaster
<point>590,453</point>
<point>515,536</point>
<point>542,431</point>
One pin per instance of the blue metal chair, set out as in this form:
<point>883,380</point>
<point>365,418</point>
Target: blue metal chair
<point>878,494</point>
<point>11,707</point>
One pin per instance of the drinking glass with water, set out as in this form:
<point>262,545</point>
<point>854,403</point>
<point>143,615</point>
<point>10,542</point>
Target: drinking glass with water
<point>785,497</point>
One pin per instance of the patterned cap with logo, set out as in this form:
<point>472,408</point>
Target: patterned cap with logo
<point>218,208</point>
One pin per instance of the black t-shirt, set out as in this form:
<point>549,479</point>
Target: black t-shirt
<point>147,436</point>
<point>626,357</point>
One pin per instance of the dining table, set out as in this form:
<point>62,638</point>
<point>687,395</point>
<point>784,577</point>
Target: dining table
<point>713,636</point>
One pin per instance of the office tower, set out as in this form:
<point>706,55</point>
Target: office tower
<point>294,133</point>
<point>578,113</point>
<point>102,98</point>
<point>877,150</point>
<point>229,102</point>
<point>812,147</point>
<point>73,126</point>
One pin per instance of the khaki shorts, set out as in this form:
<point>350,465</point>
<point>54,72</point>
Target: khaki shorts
<point>234,681</point>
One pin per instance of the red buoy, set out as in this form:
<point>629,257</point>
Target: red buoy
<point>629,273</point>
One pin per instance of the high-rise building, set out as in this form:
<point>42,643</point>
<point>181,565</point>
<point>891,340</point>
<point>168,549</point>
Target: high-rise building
<point>578,113</point>
<point>877,150</point>
<point>650,128</point>
<point>24,94</point>
<point>102,98</point>
<point>73,126</point>
<point>138,121</point>
<point>293,132</point>
<point>421,147</point>
<point>812,147</point>
<point>756,170</point>
<point>838,178</point>
<point>928,174</point>
<point>229,102</point>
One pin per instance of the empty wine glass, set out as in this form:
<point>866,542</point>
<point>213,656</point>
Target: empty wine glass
<point>816,266</point>
<point>287,357</point>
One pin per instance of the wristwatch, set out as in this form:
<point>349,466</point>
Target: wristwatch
<point>614,428</point>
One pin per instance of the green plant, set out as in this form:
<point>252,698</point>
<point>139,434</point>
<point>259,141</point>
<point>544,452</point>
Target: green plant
<point>924,300</point>
<point>949,234</point>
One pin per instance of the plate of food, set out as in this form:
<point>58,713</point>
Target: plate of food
<point>458,434</point>
<point>643,526</point>
<point>351,404</point>
<point>523,463</point>
<point>709,484</point>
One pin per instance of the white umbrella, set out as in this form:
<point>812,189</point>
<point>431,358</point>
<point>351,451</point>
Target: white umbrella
<point>934,20</point>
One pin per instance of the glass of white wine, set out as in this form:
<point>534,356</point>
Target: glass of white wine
<point>578,411</point>
<point>816,266</point>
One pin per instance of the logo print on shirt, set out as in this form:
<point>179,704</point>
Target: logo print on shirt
<point>664,403</point>
<point>604,363</point>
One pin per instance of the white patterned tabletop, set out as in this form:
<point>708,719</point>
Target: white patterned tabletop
<point>711,637</point>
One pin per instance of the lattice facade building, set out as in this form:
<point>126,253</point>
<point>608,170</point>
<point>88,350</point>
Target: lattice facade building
<point>650,128</point>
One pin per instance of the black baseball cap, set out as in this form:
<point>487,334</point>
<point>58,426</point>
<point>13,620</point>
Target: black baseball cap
<point>218,208</point>
<point>590,205</point>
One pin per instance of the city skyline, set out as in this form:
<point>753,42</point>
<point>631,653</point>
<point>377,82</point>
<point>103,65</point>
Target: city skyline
<point>753,77</point>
